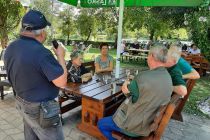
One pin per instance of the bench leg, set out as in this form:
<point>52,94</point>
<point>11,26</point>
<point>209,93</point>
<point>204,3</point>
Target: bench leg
<point>177,115</point>
<point>2,92</point>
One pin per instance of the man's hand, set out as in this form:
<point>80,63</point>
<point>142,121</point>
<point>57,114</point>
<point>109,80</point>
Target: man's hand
<point>85,79</point>
<point>125,87</point>
<point>89,75</point>
<point>60,51</point>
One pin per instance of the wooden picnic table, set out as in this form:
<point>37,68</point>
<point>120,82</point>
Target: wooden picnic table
<point>99,99</point>
<point>138,50</point>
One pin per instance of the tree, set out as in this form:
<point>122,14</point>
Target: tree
<point>86,23</point>
<point>198,25</point>
<point>47,8</point>
<point>67,24</point>
<point>44,6</point>
<point>11,12</point>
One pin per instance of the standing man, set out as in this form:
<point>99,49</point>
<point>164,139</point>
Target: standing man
<point>36,76</point>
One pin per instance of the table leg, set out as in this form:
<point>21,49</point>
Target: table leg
<point>92,111</point>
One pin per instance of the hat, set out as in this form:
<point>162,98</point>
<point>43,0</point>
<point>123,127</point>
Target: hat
<point>34,20</point>
<point>75,54</point>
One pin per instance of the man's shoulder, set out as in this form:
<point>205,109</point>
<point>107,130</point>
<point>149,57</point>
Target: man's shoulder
<point>154,71</point>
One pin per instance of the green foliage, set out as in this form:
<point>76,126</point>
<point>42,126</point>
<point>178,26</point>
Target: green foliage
<point>44,6</point>
<point>86,24</point>
<point>11,12</point>
<point>199,22</point>
<point>67,25</point>
<point>199,93</point>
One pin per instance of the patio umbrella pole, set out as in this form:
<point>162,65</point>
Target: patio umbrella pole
<point>119,38</point>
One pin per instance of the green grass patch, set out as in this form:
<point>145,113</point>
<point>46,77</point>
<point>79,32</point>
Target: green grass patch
<point>200,92</point>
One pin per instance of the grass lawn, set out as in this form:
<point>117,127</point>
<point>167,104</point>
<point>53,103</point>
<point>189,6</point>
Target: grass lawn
<point>200,92</point>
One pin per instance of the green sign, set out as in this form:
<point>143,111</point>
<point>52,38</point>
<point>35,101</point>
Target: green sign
<point>133,3</point>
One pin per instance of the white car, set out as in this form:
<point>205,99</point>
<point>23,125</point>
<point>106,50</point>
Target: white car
<point>188,43</point>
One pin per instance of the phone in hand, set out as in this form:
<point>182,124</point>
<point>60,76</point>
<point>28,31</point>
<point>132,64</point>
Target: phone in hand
<point>55,43</point>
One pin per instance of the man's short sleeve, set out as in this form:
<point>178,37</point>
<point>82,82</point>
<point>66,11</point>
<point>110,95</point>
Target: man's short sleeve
<point>184,66</point>
<point>50,67</point>
<point>176,76</point>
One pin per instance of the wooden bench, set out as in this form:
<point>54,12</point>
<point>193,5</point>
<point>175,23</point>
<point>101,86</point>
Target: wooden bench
<point>159,124</point>
<point>76,101</point>
<point>90,66</point>
<point>127,57</point>
<point>177,113</point>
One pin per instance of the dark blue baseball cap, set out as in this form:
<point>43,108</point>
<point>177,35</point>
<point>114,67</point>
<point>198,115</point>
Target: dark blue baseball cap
<point>34,20</point>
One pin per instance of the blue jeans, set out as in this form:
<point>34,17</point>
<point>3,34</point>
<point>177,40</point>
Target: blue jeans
<point>106,126</point>
<point>31,119</point>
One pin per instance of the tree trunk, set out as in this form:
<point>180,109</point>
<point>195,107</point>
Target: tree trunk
<point>152,32</point>
<point>90,31</point>
<point>4,40</point>
<point>68,36</point>
<point>115,42</point>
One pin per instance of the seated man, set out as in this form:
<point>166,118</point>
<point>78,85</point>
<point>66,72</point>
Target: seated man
<point>175,71</point>
<point>135,115</point>
<point>76,71</point>
<point>194,50</point>
<point>187,71</point>
<point>104,62</point>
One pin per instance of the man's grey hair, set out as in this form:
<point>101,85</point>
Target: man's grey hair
<point>174,53</point>
<point>75,54</point>
<point>159,53</point>
<point>35,32</point>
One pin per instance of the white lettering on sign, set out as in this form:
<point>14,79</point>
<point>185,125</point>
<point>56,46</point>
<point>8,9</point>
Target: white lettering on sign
<point>101,2</point>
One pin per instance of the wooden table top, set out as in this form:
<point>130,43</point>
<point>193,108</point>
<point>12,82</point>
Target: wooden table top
<point>96,89</point>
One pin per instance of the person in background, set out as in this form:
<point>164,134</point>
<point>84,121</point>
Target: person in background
<point>36,76</point>
<point>184,47</point>
<point>145,94</point>
<point>136,44</point>
<point>76,71</point>
<point>104,62</point>
<point>195,50</point>
<point>148,45</point>
<point>123,47</point>
<point>175,71</point>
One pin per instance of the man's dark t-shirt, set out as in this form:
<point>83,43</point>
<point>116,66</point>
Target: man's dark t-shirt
<point>31,68</point>
<point>176,75</point>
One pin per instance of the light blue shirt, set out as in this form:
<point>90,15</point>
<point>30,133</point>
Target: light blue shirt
<point>104,64</point>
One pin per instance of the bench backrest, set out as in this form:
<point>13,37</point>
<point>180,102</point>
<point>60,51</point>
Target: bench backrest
<point>159,124</point>
<point>90,65</point>
<point>163,119</point>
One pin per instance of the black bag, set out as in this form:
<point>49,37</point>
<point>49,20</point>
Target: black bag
<point>49,114</point>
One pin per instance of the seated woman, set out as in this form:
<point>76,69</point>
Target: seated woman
<point>104,62</point>
<point>76,71</point>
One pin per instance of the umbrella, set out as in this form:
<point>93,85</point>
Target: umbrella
<point>129,3</point>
